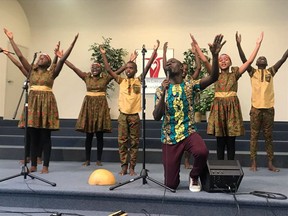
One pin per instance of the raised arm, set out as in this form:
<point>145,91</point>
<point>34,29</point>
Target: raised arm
<point>215,49</point>
<point>240,51</point>
<point>201,55</point>
<point>197,62</point>
<point>64,57</point>
<point>71,66</point>
<point>16,49</point>
<point>281,61</point>
<point>133,57</point>
<point>248,63</point>
<point>152,58</point>
<point>164,60</point>
<point>15,62</point>
<point>55,59</point>
<point>106,64</point>
<point>80,73</point>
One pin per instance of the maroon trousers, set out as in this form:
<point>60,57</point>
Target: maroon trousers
<point>172,154</point>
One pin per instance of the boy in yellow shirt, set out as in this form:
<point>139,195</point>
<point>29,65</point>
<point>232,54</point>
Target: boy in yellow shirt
<point>129,106</point>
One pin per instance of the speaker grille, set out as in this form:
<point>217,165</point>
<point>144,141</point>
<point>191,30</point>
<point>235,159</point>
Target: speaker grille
<point>222,176</point>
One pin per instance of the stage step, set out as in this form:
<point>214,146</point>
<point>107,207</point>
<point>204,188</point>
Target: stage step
<point>68,144</point>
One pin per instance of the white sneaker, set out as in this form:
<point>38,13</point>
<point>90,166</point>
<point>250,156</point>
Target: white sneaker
<point>194,185</point>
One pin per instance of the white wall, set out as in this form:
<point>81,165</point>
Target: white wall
<point>12,16</point>
<point>132,23</point>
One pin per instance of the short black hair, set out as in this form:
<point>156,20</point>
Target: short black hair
<point>133,63</point>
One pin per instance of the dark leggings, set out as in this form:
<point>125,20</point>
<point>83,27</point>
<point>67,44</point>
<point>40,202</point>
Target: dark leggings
<point>40,137</point>
<point>28,147</point>
<point>88,145</point>
<point>222,142</point>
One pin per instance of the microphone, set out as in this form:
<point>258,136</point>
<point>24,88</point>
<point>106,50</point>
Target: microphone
<point>144,49</point>
<point>1,50</point>
<point>167,77</point>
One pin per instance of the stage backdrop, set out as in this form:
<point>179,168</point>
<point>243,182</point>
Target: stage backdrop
<point>156,74</point>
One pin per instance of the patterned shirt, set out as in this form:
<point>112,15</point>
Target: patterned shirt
<point>129,95</point>
<point>39,77</point>
<point>262,87</point>
<point>97,83</point>
<point>178,120</point>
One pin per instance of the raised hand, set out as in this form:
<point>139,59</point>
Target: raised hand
<point>133,55</point>
<point>193,40</point>
<point>216,47</point>
<point>193,48</point>
<point>57,47</point>
<point>59,53</point>
<point>165,47</point>
<point>75,38</point>
<point>238,37</point>
<point>102,50</point>
<point>259,40</point>
<point>4,51</point>
<point>157,45</point>
<point>8,33</point>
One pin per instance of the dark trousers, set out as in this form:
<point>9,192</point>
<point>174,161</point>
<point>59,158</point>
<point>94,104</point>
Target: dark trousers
<point>172,154</point>
<point>226,142</point>
<point>88,145</point>
<point>40,137</point>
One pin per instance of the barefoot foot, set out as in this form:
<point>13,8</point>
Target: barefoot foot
<point>86,163</point>
<point>132,172</point>
<point>44,170</point>
<point>124,170</point>
<point>253,166</point>
<point>272,168</point>
<point>98,163</point>
<point>33,169</point>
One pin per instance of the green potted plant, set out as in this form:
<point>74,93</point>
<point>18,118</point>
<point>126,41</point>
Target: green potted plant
<point>204,98</point>
<point>115,57</point>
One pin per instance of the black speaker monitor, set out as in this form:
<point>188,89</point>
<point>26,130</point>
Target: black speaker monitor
<point>222,176</point>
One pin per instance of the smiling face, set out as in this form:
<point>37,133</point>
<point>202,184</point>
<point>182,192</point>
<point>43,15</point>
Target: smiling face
<point>131,69</point>
<point>224,61</point>
<point>96,69</point>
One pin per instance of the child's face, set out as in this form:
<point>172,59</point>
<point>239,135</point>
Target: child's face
<point>130,70</point>
<point>224,62</point>
<point>44,60</point>
<point>261,62</point>
<point>96,68</point>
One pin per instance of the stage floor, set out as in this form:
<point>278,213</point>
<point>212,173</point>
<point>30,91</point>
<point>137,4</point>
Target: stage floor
<point>72,180</point>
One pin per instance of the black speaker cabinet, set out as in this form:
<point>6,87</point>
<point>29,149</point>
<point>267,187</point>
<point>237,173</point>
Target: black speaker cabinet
<point>222,176</point>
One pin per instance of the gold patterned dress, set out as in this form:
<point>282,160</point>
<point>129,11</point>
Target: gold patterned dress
<point>226,117</point>
<point>42,105</point>
<point>94,115</point>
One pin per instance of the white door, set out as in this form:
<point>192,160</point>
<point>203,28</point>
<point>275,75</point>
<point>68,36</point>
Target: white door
<point>14,87</point>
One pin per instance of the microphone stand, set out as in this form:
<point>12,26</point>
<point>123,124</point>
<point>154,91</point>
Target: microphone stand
<point>144,172</point>
<point>1,50</point>
<point>25,171</point>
